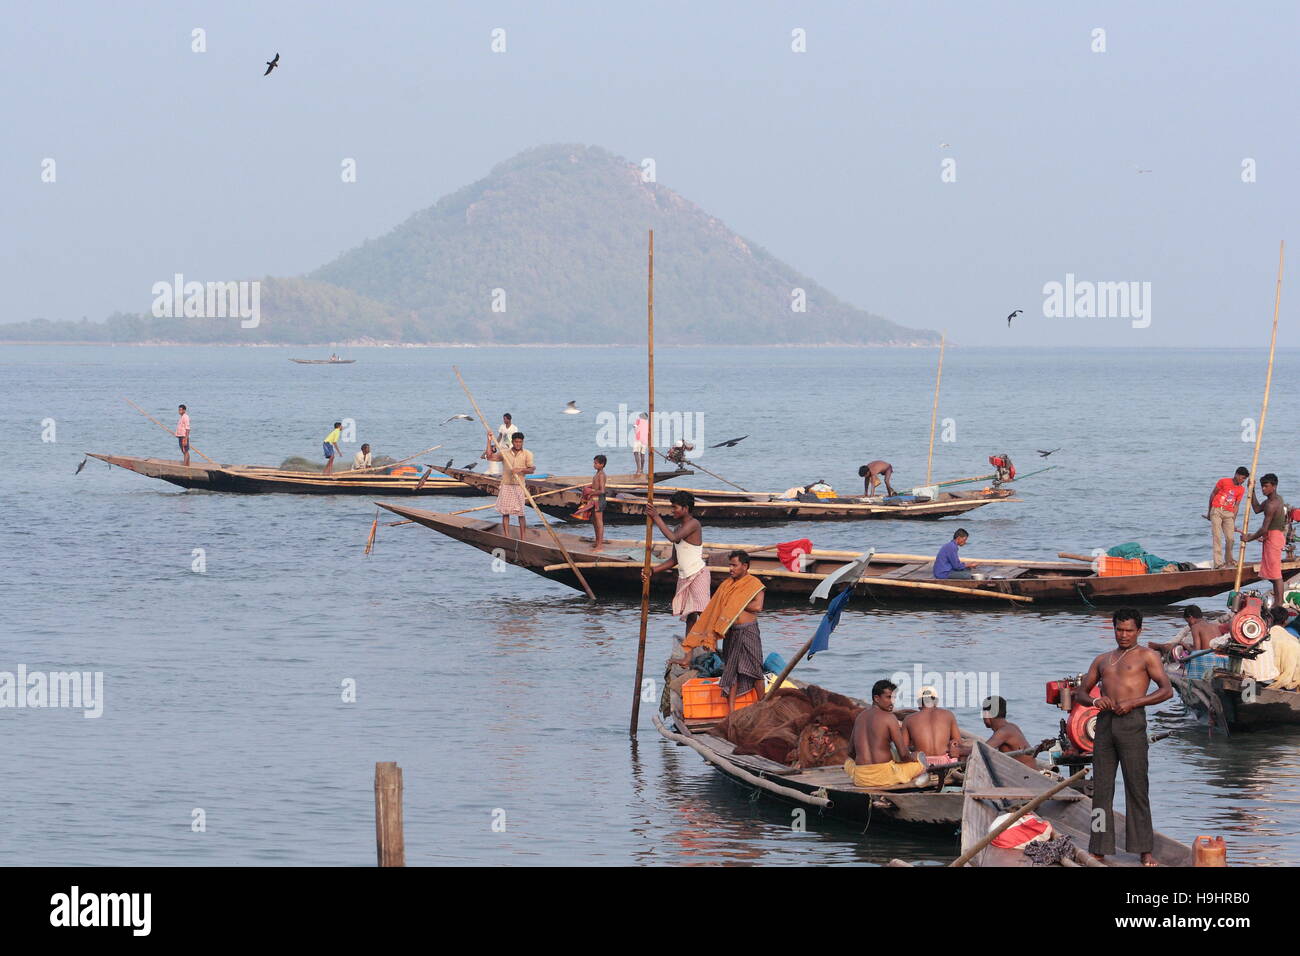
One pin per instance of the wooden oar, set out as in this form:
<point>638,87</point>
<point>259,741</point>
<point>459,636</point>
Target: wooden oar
<point>1263,414</point>
<point>649,490</point>
<point>510,461</point>
<point>165,428</point>
<point>698,467</point>
<point>1012,818</point>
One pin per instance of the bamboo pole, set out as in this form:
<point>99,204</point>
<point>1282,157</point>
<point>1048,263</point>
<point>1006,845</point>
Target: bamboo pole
<point>649,488</point>
<point>1010,820</point>
<point>540,494</point>
<point>934,412</point>
<point>166,429</point>
<point>510,461</point>
<point>390,842</point>
<point>1263,414</point>
<point>698,467</point>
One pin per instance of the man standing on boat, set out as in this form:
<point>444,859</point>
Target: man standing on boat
<point>641,441</point>
<point>1125,676</point>
<point>505,432</point>
<point>870,762</point>
<point>183,432</point>
<point>872,473</point>
<point>946,563</point>
<point>331,447</point>
<point>1273,531</point>
<point>1222,515</point>
<point>692,594</point>
<point>510,496</point>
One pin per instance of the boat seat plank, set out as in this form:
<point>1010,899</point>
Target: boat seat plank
<point>903,571</point>
<point>1012,793</point>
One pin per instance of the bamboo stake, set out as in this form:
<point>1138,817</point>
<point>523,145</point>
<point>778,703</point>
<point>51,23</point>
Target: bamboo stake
<point>166,429</point>
<point>934,412</point>
<point>649,488</point>
<point>374,529</point>
<point>510,461</point>
<point>698,467</point>
<point>390,841</point>
<point>1010,820</point>
<point>1263,414</point>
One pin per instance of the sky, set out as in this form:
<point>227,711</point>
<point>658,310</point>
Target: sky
<point>169,160</point>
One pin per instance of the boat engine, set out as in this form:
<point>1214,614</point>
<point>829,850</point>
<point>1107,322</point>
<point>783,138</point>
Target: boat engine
<point>1006,470</point>
<point>1078,727</point>
<point>1248,627</point>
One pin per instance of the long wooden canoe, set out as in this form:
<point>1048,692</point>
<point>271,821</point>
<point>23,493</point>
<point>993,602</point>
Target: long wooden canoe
<point>996,784</point>
<point>828,789</point>
<point>625,503</point>
<point>903,579</point>
<point>1220,697</point>
<point>491,484</point>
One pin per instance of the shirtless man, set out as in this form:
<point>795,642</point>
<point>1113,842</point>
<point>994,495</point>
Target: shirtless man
<point>1272,530</point>
<point>1201,633</point>
<point>598,508</point>
<point>872,473</point>
<point>873,732</point>
<point>1006,735</point>
<point>933,730</point>
<point>687,537</point>
<point>1125,676</point>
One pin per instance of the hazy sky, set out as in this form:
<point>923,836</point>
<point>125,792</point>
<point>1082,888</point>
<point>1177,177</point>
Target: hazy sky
<point>171,161</point>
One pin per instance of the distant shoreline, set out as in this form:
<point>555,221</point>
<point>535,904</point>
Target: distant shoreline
<point>482,345</point>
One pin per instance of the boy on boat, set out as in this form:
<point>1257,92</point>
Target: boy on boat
<point>874,472</point>
<point>874,731</point>
<point>331,447</point>
<point>505,431</point>
<point>641,441</point>
<point>1222,515</point>
<point>932,730</point>
<point>1125,676</point>
<point>692,594</point>
<point>1006,735</point>
<point>597,494</point>
<point>510,496</point>
<point>183,432</point>
<point>1272,531</point>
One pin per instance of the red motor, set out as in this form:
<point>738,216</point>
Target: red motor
<point>1248,624</point>
<point>1006,470</point>
<point>1078,728</point>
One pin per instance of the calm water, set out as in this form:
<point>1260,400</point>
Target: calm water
<point>502,691</point>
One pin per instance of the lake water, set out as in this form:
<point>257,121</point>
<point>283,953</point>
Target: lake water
<point>505,697</point>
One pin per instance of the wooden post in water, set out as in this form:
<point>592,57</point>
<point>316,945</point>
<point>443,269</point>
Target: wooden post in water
<point>389,839</point>
<point>934,412</point>
<point>1259,432</point>
<point>649,489</point>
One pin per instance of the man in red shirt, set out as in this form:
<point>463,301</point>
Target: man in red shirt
<point>1222,514</point>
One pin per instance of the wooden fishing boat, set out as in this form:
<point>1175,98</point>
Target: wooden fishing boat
<point>491,484</point>
<point>255,479</point>
<point>1220,697</point>
<point>828,789</point>
<point>889,578</point>
<point>328,361</point>
<point>625,503</point>
<point>997,784</point>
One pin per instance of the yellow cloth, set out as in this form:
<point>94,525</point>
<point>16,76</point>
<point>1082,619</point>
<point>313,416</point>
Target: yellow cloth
<point>1286,655</point>
<point>721,612</point>
<point>882,774</point>
<point>332,438</point>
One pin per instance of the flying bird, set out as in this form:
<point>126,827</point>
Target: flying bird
<point>945,145</point>
<point>730,442</point>
<point>81,466</point>
<point>459,418</point>
<point>572,409</point>
<point>1044,454</point>
<point>271,65</point>
<point>1012,316</point>
<point>1143,171</point>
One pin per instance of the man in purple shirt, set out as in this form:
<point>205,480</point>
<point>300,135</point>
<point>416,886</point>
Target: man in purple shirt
<point>946,563</point>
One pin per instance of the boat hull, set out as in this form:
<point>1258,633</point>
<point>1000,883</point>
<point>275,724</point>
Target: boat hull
<point>1221,699</point>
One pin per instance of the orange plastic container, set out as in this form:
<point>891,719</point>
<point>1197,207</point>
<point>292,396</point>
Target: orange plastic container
<point>702,699</point>
<point>1210,851</point>
<point>1108,567</point>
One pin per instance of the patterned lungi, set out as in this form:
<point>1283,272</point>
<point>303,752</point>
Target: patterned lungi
<point>692,594</point>
<point>743,657</point>
<point>510,500</point>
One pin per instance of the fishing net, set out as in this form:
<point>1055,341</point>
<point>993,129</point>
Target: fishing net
<point>802,727</point>
<point>1050,852</point>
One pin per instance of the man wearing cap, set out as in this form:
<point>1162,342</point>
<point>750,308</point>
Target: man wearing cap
<point>933,730</point>
<point>1222,514</point>
<point>946,563</point>
<point>1006,735</point>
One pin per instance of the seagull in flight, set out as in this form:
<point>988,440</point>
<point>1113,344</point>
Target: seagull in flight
<point>945,145</point>
<point>1140,171</point>
<point>572,409</point>
<point>271,65</point>
<point>730,442</point>
<point>81,466</point>
<point>1044,454</point>
<point>459,418</point>
<point>1012,316</point>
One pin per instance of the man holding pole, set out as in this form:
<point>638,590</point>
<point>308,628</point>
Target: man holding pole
<point>1273,532</point>
<point>692,594</point>
<point>510,496</point>
<point>1124,676</point>
<point>1222,515</point>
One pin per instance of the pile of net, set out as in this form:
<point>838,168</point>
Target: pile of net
<point>800,727</point>
<point>298,463</point>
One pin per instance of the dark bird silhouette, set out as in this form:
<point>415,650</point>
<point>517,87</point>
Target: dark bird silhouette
<point>470,466</point>
<point>730,442</point>
<point>271,65</point>
<point>81,466</point>
<point>1044,454</point>
<point>449,461</point>
<point>1012,316</point>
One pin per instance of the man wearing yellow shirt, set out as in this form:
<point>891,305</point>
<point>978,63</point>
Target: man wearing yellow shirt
<point>510,496</point>
<point>331,447</point>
